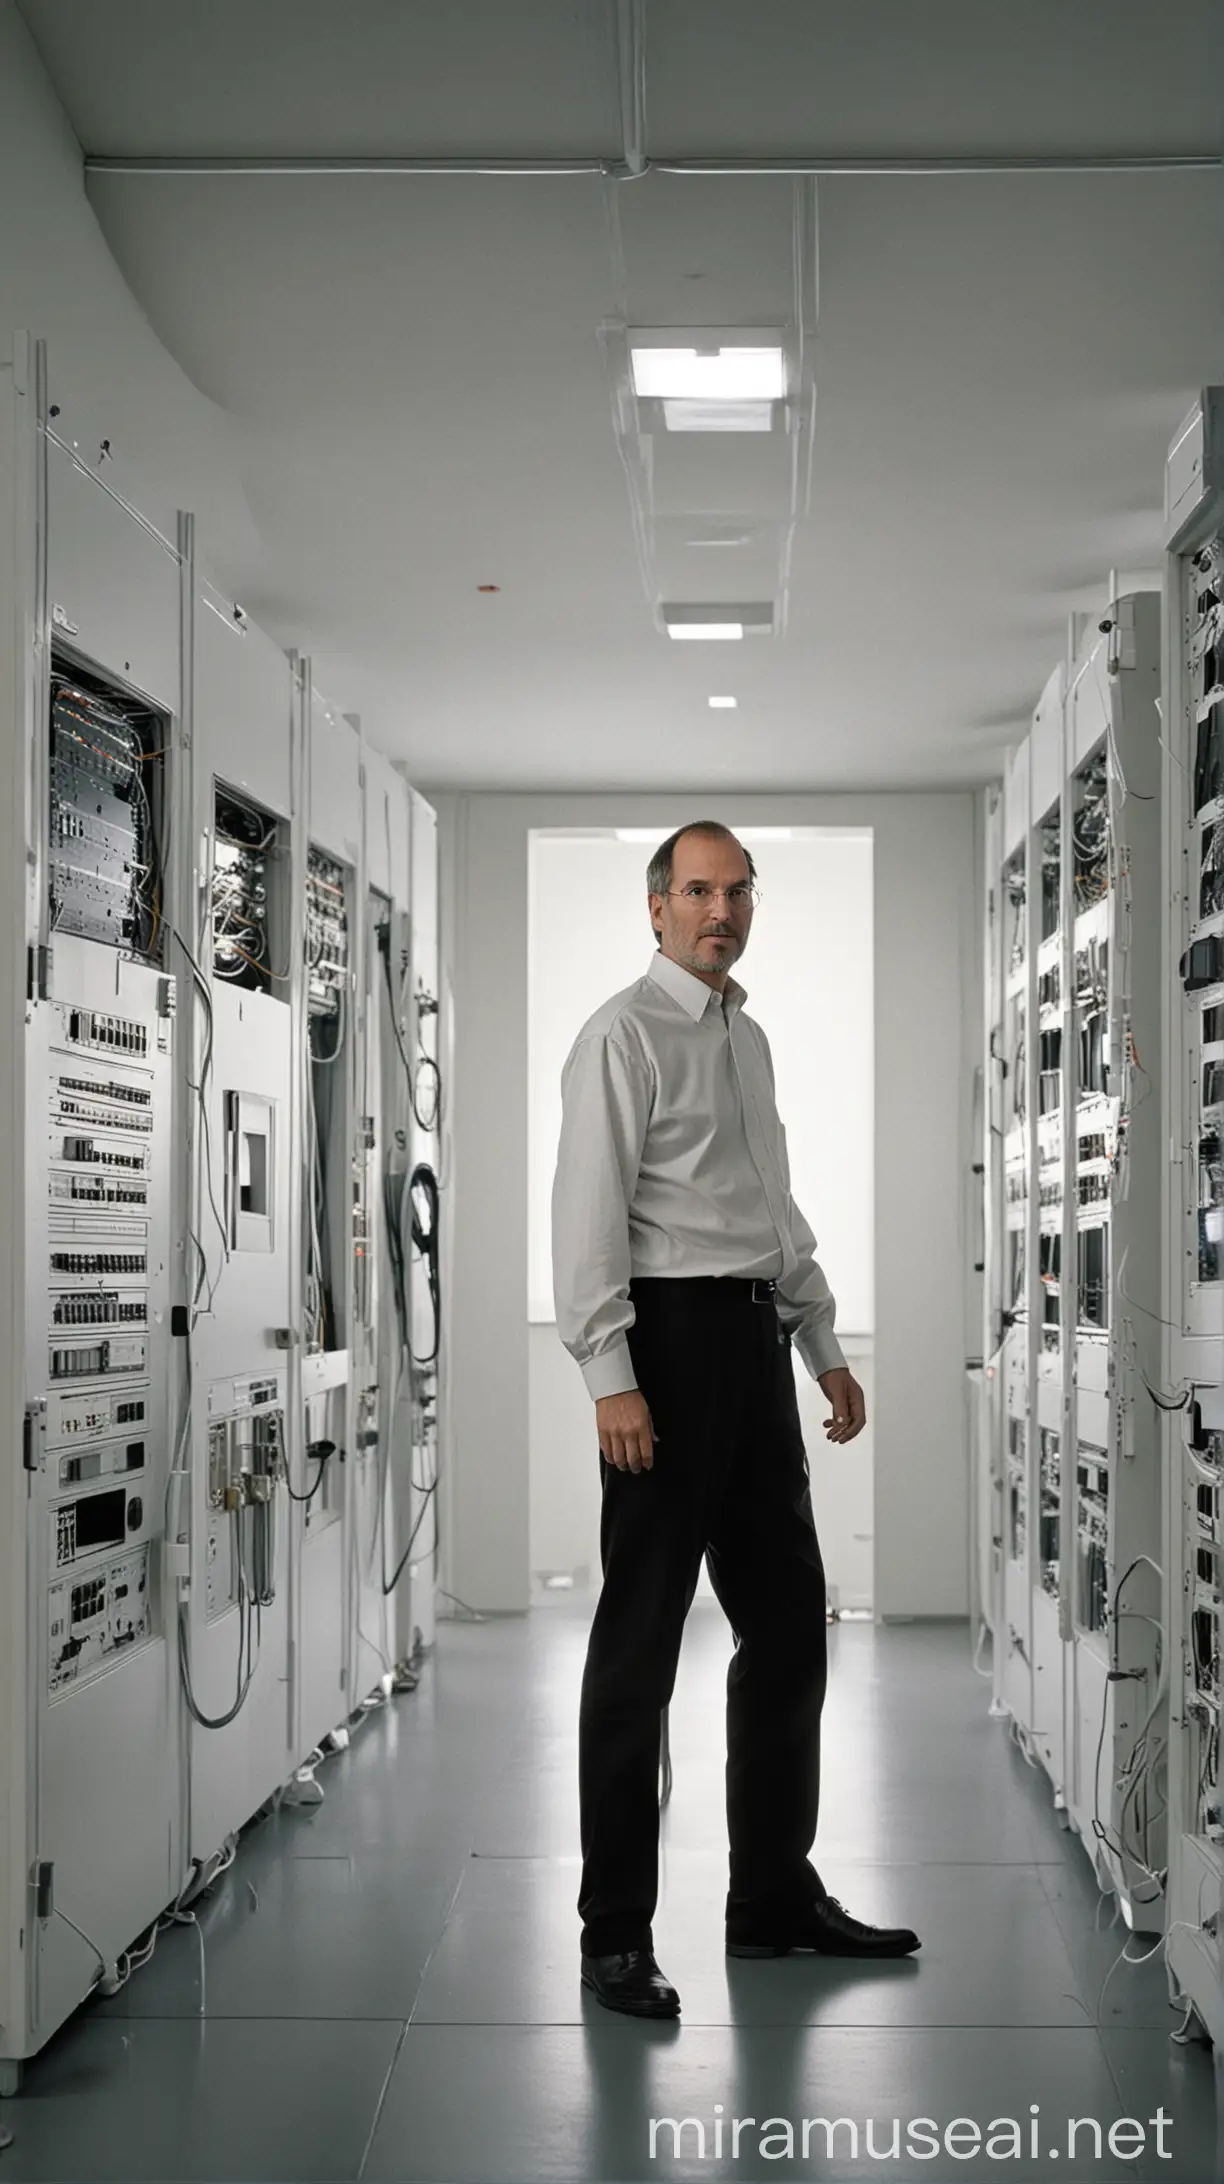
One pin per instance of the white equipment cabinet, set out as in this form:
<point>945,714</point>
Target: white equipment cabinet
<point>397,1372</point>
<point>380,1153</point>
<point>330,1209</point>
<point>1070,1524</point>
<point>215,1432</point>
<point>1010,1070</point>
<point>1193,1257</point>
<point>1110,1522</point>
<point>241,820</point>
<point>1047,931</point>
<point>418,1489</point>
<point>92,697</point>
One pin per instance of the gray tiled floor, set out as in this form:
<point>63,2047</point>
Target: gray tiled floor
<point>386,1986</point>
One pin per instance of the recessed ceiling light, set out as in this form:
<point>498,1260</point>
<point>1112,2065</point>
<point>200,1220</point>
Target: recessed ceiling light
<point>725,373</point>
<point>705,632</point>
<point>723,705</point>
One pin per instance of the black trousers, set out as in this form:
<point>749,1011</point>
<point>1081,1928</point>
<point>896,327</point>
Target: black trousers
<point>730,1482</point>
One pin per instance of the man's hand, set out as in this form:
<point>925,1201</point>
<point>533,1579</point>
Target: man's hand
<point>849,1407</point>
<point>626,1435</point>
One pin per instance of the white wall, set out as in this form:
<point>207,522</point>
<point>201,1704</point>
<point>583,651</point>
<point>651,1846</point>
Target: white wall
<point>927,1042</point>
<point>107,370</point>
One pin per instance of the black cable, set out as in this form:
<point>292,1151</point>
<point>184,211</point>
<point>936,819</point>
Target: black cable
<point>321,1453</point>
<point>157,920</point>
<point>384,949</point>
<point>392,1221</point>
<point>321,1119</point>
<point>425,1239</point>
<point>426,1242</point>
<point>427,1494</point>
<point>1159,1400</point>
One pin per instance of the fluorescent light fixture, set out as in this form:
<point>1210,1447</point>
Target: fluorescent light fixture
<point>653,835</point>
<point>705,632</point>
<point>715,373</point>
<point>710,416</point>
<point>722,705</point>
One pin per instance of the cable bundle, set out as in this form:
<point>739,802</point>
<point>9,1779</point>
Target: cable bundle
<point>1090,836</point>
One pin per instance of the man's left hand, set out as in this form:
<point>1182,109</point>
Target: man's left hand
<point>849,1406</point>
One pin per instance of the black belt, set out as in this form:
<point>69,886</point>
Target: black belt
<point>743,1289</point>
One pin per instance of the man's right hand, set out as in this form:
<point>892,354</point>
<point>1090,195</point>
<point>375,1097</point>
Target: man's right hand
<point>626,1435</point>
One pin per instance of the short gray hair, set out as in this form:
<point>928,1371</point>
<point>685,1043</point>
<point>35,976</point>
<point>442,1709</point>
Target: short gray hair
<point>659,870</point>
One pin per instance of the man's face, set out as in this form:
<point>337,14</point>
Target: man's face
<point>703,919</point>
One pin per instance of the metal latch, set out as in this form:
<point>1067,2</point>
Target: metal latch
<point>31,1436</point>
<point>38,974</point>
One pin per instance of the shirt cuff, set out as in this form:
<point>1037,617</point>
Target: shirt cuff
<point>820,1350</point>
<point>611,1373</point>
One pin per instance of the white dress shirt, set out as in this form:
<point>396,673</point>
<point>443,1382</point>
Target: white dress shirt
<point>673,1162</point>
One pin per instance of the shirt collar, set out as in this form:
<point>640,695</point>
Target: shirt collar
<point>692,993</point>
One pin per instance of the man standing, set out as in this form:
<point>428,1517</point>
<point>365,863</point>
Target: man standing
<point>683,1274</point>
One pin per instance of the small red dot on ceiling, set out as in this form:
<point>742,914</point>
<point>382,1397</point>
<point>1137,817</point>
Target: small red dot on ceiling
<point>488,587</point>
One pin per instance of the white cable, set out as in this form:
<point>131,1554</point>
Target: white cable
<point>1124,1957</point>
<point>324,1061</point>
<point>104,1962</point>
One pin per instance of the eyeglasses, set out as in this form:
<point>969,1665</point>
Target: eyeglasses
<point>739,898</point>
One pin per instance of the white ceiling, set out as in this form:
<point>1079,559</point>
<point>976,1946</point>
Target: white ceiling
<point>415,383</point>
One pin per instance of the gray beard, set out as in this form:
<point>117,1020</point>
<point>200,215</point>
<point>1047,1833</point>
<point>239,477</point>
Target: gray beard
<point>696,962</point>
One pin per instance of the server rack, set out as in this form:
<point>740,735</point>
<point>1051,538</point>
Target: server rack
<point>1191,1390</point>
<point>192,1325</point>
<point>1074,1160</point>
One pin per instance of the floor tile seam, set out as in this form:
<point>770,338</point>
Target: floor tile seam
<point>380,2103</point>
<point>248,2017</point>
<point>416,2000</point>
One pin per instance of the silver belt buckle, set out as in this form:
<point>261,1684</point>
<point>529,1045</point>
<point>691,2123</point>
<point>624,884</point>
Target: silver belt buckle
<point>762,1291</point>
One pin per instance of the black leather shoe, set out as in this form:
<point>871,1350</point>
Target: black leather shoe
<point>827,1929</point>
<point>631,1982</point>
